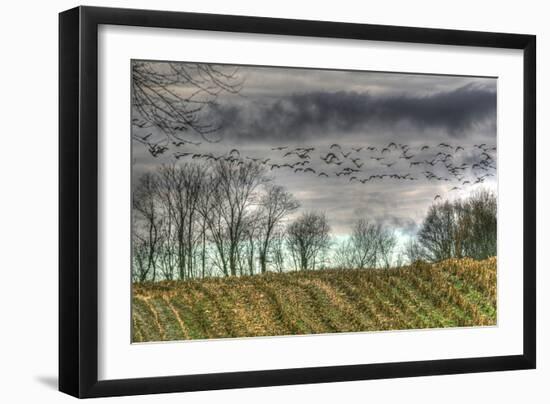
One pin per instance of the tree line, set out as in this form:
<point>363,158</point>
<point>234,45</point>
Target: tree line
<point>457,229</point>
<point>203,219</point>
<point>222,218</point>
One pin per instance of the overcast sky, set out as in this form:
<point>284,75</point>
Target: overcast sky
<point>280,107</point>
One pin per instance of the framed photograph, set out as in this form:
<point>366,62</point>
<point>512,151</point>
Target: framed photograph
<point>251,201</point>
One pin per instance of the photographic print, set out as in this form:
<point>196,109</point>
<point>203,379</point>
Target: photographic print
<point>277,201</point>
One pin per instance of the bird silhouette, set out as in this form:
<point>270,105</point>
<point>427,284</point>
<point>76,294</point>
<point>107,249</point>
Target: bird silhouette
<point>180,155</point>
<point>329,158</point>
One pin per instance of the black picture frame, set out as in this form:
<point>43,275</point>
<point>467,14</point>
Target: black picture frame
<point>78,201</point>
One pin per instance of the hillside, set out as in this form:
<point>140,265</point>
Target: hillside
<point>448,294</point>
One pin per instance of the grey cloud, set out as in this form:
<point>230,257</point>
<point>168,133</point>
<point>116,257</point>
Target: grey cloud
<point>307,114</point>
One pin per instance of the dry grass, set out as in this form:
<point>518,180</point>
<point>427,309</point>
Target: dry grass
<point>448,294</point>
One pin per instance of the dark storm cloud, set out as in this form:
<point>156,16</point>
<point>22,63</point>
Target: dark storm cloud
<point>305,114</point>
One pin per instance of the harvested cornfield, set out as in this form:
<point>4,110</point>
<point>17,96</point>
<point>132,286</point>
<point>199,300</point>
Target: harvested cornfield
<point>452,293</point>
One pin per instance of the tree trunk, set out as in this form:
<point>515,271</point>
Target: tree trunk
<point>203,252</point>
<point>232,260</point>
<point>263,262</point>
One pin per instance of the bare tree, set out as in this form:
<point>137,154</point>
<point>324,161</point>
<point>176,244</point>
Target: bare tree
<point>365,243</point>
<point>276,203</point>
<point>180,189</point>
<point>214,229</point>
<point>413,251</point>
<point>175,99</point>
<point>277,250</point>
<point>171,190</point>
<point>461,228</point>
<point>369,246</point>
<point>203,203</point>
<point>480,225</point>
<point>214,216</point>
<point>234,194</point>
<point>193,181</point>
<point>343,255</point>
<point>147,225</point>
<point>250,231</point>
<point>168,257</point>
<point>386,247</point>
<point>438,231</point>
<point>246,254</point>
<point>308,237</point>
<point>140,268</point>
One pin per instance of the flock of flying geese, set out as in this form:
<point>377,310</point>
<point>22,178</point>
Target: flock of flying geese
<point>352,163</point>
<point>459,166</point>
